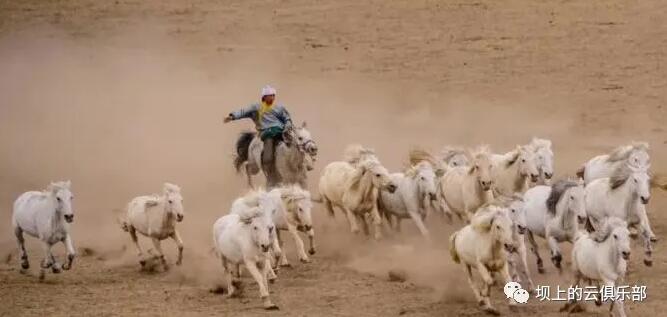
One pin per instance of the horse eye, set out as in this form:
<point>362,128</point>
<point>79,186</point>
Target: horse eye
<point>497,227</point>
<point>571,197</point>
<point>523,161</point>
<point>58,198</point>
<point>423,178</point>
<point>255,227</point>
<point>71,198</point>
<point>300,138</point>
<point>635,180</point>
<point>171,201</point>
<point>615,237</point>
<point>513,210</point>
<point>377,175</point>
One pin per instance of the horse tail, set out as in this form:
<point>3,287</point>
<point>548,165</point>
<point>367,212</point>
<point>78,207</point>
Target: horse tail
<point>452,248</point>
<point>120,220</point>
<point>580,171</point>
<point>242,147</point>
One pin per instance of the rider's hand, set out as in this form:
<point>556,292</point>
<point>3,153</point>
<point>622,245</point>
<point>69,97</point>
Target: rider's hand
<point>228,119</point>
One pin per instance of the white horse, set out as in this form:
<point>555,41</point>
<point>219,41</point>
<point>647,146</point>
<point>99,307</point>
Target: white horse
<point>480,245</point>
<point>554,213</point>
<point>622,196</point>
<point>155,217</point>
<point>246,238</point>
<point>45,215</point>
<point>463,189</point>
<point>603,260</point>
<point>514,170</point>
<point>603,166</point>
<point>544,159</point>
<point>355,188</point>
<point>413,196</point>
<point>291,211</point>
<point>294,156</point>
<point>518,264</point>
<point>454,156</point>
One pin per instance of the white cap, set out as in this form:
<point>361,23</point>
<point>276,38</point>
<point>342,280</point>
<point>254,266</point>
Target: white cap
<point>268,90</point>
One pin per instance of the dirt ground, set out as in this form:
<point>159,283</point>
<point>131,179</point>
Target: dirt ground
<point>120,96</point>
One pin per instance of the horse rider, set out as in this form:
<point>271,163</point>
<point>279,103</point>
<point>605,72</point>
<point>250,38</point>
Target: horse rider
<point>271,121</point>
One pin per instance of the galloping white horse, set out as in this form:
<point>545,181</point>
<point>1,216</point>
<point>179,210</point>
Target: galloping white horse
<point>413,196</point>
<point>544,159</point>
<point>622,196</point>
<point>294,156</point>
<point>465,188</point>
<point>454,156</point>
<point>603,166</point>
<point>45,215</point>
<point>355,189</point>
<point>554,213</point>
<point>603,259</point>
<point>514,170</point>
<point>518,264</point>
<point>155,217</point>
<point>482,245</point>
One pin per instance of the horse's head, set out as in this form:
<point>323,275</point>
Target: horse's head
<point>299,207</point>
<point>526,160</point>
<point>63,197</point>
<point>621,237</point>
<point>517,212</point>
<point>639,158</point>
<point>459,159</point>
<point>501,230</point>
<point>378,173</point>
<point>641,184</point>
<point>262,229</point>
<point>481,167</point>
<point>302,138</point>
<point>425,177</point>
<point>576,203</point>
<point>173,201</point>
<point>544,159</point>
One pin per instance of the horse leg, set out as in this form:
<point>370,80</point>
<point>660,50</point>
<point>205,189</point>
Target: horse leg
<point>475,290</point>
<point>418,221</point>
<point>506,276</point>
<point>158,247</point>
<point>569,306</point>
<point>179,242</point>
<point>523,268</point>
<point>536,252</point>
<point>49,262</point>
<point>253,269</point>
<point>377,222</point>
<point>71,253</point>
<point>248,175</point>
<point>299,244</point>
<point>135,240</point>
<point>556,256</point>
<point>364,224</point>
<point>283,256</point>
<point>328,206</point>
<point>22,253</point>
<point>311,241</point>
<point>648,236</point>
<point>352,218</point>
<point>227,275</point>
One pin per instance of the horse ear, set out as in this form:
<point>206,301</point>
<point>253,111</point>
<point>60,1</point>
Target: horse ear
<point>472,169</point>
<point>304,124</point>
<point>440,172</point>
<point>68,184</point>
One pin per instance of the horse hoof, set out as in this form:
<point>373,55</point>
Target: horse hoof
<point>56,269</point>
<point>142,263</point>
<point>653,239</point>
<point>25,265</point>
<point>311,251</point>
<point>648,262</point>
<point>178,263</point>
<point>491,311</point>
<point>286,265</point>
<point>540,270</point>
<point>42,275</point>
<point>305,261</point>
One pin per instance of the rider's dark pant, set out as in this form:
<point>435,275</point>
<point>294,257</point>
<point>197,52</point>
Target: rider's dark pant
<point>269,161</point>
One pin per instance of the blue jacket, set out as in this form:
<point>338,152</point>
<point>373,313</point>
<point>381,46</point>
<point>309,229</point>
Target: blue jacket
<point>276,117</point>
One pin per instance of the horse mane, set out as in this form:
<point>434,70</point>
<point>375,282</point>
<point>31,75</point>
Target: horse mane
<point>448,152</point>
<point>417,156</point>
<point>483,218</point>
<point>537,143</point>
<point>360,171</point>
<point>171,188</point>
<point>58,186</point>
<point>605,230</point>
<point>294,192</point>
<point>354,153</point>
<point>249,213</point>
<point>622,153</point>
<point>557,191</point>
<point>514,155</point>
<point>619,176</point>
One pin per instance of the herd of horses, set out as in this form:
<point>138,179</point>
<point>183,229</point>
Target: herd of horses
<point>500,200</point>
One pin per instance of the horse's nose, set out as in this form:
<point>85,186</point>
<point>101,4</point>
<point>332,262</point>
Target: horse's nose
<point>179,217</point>
<point>486,185</point>
<point>625,255</point>
<point>645,199</point>
<point>548,175</point>
<point>308,227</point>
<point>510,247</point>
<point>581,220</point>
<point>521,229</point>
<point>432,196</point>
<point>265,248</point>
<point>534,177</point>
<point>69,218</point>
<point>391,188</point>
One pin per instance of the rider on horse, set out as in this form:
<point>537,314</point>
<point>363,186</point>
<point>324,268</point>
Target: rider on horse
<point>271,120</point>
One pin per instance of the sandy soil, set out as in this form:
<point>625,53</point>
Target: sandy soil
<point>120,96</point>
